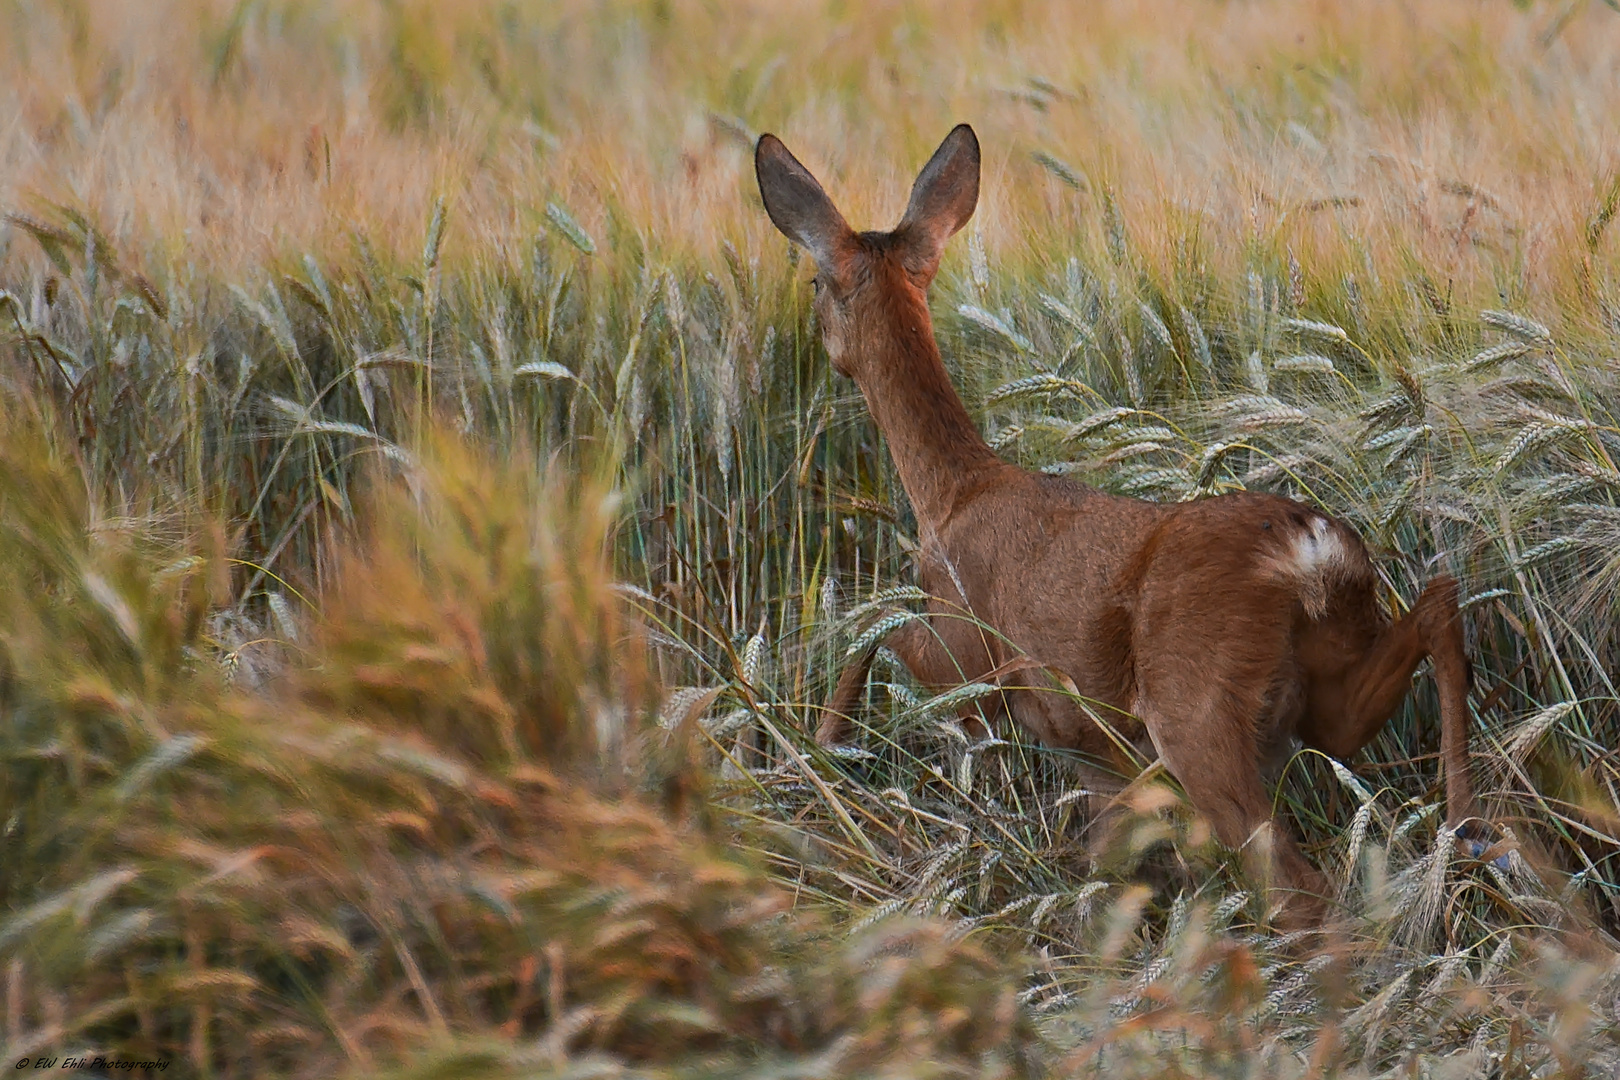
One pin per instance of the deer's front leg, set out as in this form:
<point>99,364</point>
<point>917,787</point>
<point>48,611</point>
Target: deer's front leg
<point>939,652</point>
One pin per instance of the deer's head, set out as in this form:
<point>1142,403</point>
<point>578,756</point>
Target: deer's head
<point>871,285</point>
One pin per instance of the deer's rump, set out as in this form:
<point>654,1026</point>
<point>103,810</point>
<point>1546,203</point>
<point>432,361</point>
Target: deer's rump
<point>1245,602</point>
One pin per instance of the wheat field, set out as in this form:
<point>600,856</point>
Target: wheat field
<point>429,529</point>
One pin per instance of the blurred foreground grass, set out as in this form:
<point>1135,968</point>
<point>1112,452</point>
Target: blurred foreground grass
<point>427,527</point>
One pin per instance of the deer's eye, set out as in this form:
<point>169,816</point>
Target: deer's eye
<point>815,284</point>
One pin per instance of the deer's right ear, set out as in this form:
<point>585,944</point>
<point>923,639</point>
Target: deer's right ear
<point>942,200</point>
<point>797,205</point>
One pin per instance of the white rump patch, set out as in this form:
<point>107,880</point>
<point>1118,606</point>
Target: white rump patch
<point>1315,561</point>
<point>1317,549</point>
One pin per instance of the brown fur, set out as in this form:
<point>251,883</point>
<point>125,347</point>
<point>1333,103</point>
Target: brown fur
<point>1227,627</point>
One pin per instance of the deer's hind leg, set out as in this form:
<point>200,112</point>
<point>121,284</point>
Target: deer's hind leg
<point>1208,747</point>
<point>1211,712</point>
<point>1351,702</point>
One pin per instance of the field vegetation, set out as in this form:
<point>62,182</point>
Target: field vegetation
<point>429,529</point>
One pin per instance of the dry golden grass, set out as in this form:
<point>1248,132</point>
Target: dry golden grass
<point>361,706</point>
<point>1477,140</point>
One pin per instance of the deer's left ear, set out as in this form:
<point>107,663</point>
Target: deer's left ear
<point>799,207</point>
<point>942,200</point>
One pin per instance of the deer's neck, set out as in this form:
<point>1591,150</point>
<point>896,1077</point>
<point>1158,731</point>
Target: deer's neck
<point>936,449</point>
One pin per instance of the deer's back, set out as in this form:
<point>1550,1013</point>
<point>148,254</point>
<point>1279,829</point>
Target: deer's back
<point>1087,582</point>
<point>1032,548</point>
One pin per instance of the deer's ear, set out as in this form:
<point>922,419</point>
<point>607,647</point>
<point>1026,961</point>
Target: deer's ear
<point>797,205</point>
<point>942,200</point>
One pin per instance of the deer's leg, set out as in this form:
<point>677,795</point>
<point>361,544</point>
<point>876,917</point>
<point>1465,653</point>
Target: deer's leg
<point>931,662</point>
<point>1211,751</point>
<point>1346,716</point>
<point>835,718</point>
<point>943,654</point>
<point>1210,687</point>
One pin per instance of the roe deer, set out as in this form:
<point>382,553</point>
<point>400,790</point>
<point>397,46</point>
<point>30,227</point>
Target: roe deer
<point>1223,628</point>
